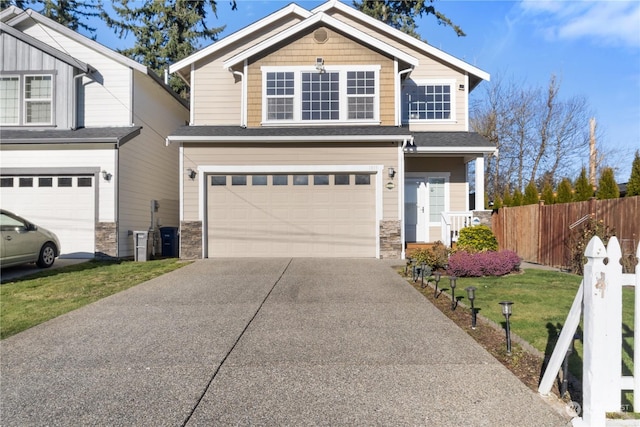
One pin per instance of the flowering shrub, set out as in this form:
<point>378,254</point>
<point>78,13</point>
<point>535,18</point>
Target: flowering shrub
<point>490,263</point>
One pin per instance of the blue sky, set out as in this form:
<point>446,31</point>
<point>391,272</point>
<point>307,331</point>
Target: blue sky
<point>593,47</point>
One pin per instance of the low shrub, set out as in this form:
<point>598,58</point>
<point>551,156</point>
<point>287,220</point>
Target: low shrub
<point>477,239</point>
<point>478,264</point>
<point>437,256</point>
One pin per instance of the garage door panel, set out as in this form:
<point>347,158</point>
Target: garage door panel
<point>291,220</point>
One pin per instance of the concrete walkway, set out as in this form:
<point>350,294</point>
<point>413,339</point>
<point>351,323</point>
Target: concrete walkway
<point>262,342</point>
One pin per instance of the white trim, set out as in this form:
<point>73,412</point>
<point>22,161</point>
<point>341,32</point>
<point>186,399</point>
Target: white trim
<point>466,102</point>
<point>291,9</point>
<point>453,90</point>
<point>205,170</point>
<point>300,138</point>
<point>192,97</point>
<point>392,32</point>
<point>181,181</point>
<point>327,20</point>
<point>400,182</point>
<point>343,109</point>
<point>479,184</point>
<point>20,95</point>
<point>451,150</point>
<point>447,196</point>
<point>26,101</point>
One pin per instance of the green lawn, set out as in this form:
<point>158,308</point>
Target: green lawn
<point>542,300</point>
<point>29,301</point>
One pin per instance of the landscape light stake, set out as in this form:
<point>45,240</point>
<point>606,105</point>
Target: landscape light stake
<point>471,294</point>
<point>422,267</point>
<point>506,310</point>
<point>454,301</point>
<point>437,276</point>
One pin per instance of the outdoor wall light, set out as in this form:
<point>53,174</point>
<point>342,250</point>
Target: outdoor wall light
<point>392,172</point>
<point>192,173</point>
<point>107,176</point>
<point>506,311</point>
<point>454,301</point>
<point>437,277</point>
<point>471,294</point>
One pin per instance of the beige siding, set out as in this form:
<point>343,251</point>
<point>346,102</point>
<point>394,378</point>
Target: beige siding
<point>149,170</point>
<point>284,154</point>
<point>217,92</point>
<point>337,50</point>
<point>429,67</point>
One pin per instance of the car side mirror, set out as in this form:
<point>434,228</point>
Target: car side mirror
<point>31,227</point>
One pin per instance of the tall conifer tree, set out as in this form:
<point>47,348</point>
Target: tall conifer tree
<point>633,186</point>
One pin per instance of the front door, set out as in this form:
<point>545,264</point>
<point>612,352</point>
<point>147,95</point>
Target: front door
<point>425,198</point>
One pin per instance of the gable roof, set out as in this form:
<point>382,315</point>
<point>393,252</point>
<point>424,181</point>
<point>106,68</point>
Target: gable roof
<point>323,18</point>
<point>397,34</point>
<point>4,28</point>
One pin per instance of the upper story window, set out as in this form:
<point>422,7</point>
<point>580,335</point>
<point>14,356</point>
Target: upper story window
<point>26,102</point>
<point>430,101</point>
<point>335,94</point>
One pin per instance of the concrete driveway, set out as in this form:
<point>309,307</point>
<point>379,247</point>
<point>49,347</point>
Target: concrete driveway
<point>262,342</point>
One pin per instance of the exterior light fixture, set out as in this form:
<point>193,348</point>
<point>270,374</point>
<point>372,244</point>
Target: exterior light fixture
<point>392,172</point>
<point>454,301</point>
<point>106,175</point>
<point>192,173</point>
<point>320,65</point>
<point>471,294</point>
<point>506,311</point>
<point>437,277</point>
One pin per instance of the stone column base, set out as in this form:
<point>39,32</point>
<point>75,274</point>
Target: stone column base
<point>390,239</point>
<point>106,246</point>
<point>191,239</point>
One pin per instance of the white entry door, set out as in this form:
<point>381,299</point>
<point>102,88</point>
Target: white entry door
<point>425,198</point>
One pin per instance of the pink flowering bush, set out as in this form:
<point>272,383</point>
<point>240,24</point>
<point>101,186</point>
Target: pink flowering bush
<point>490,263</point>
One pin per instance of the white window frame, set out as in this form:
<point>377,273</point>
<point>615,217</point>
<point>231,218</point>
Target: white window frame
<point>26,101</point>
<point>14,76</point>
<point>297,98</point>
<point>423,83</point>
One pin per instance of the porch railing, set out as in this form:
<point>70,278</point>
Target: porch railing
<point>452,223</point>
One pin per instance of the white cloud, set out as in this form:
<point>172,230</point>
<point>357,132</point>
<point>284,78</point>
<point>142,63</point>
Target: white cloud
<point>612,22</point>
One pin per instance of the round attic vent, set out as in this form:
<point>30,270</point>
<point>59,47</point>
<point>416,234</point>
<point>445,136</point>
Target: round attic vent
<point>320,35</point>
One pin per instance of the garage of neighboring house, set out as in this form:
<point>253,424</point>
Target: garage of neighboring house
<point>63,202</point>
<point>292,211</point>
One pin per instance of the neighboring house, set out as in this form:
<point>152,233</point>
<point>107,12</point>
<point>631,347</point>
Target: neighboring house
<point>83,138</point>
<point>325,133</point>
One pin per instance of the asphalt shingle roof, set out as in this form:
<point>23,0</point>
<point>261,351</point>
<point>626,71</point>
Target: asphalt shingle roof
<point>114,135</point>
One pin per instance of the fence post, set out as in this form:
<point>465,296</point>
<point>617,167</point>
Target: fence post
<point>594,377</point>
<point>613,324</point>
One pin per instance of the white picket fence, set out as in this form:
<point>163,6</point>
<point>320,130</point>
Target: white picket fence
<point>599,301</point>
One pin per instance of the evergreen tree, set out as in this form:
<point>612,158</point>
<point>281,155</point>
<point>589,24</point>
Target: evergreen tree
<point>165,31</point>
<point>507,200</point>
<point>547,193</point>
<point>497,202</point>
<point>565,191</point>
<point>401,14</point>
<point>530,194</point>
<point>607,187</point>
<point>583,190</point>
<point>517,199</point>
<point>70,13</point>
<point>633,186</point>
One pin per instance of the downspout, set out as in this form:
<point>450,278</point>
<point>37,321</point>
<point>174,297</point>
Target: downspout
<point>74,107</point>
<point>242,97</point>
<point>398,97</point>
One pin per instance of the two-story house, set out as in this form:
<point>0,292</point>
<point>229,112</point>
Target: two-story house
<point>324,133</point>
<point>83,138</point>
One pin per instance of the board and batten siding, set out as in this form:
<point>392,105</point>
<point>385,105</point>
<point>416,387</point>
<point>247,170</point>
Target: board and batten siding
<point>30,158</point>
<point>217,92</point>
<point>148,168</point>
<point>20,58</point>
<point>106,100</point>
<point>287,154</point>
<point>429,68</point>
<point>337,50</point>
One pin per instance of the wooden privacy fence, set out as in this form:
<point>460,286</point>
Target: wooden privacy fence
<point>599,301</point>
<point>542,233</point>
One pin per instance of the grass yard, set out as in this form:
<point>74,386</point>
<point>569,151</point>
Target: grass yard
<point>32,300</point>
<point>542,300</point>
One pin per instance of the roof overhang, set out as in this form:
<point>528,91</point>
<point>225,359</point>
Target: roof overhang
<point>113,135</point>
<point>316,19</point>
<point>449,143</point>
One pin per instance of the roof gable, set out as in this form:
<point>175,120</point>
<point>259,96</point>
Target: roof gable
<point>315,19</point>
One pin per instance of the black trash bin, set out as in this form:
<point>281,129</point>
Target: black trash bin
<point>169,237</point>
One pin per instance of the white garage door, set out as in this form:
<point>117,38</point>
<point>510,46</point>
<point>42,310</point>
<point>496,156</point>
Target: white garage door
<point>62,204</point>
<point>295,215</point>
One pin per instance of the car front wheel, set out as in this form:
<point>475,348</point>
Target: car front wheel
<point>47,255</point>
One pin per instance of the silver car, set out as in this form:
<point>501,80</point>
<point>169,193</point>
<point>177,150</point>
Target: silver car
<point>23,242</point>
